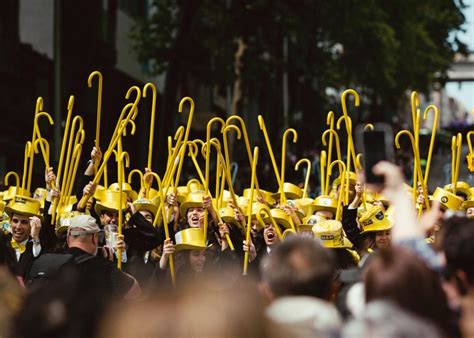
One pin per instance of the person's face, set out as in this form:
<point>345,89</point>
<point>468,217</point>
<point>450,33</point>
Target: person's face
<point>470,213</point>
<point>20,225</point>
<point>383,239</point>
<point>148,215</point>
<point>270,235</point>
<point>109,217</point>
<point>195,217</point>
<point>324,213</point>
<point>197,260</point>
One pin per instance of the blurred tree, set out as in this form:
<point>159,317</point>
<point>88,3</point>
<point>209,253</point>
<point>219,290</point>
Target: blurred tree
<point>382,48</point>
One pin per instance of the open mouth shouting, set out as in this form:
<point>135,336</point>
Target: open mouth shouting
<point>270,235</point>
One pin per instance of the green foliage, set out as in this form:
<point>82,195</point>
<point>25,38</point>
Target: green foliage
<point>381,47</point>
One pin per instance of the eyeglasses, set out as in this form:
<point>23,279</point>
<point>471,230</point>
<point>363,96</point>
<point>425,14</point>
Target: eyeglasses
<point>22,222</point>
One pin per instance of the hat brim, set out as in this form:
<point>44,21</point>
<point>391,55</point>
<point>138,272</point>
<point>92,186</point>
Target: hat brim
<point>378,228</point>
<point>181,247</point>
<point>9,211</point>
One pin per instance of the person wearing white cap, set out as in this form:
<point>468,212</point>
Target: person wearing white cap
<point>83,240</point>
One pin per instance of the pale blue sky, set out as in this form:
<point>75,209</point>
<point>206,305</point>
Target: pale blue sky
<point>465,92</point>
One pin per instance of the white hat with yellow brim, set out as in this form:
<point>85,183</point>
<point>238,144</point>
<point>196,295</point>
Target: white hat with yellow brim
<point>23,205</point>
<point>126,188</point>
<point>281,218</point>
<point>291,191</point>
<point>110,200</point>
<point>143,204</point>
<point>374,220</point>
<point>325,203</point>
<point>190,239</point>
<point>193,200</point>
<point>331,234</point>
<point>461,187</point>
<point>13,191</point>
<point>447,199</point>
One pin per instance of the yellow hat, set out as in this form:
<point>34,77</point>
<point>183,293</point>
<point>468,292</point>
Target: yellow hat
<point>12,192</point>
<point>225,198</point>
<point>190,239</point>
<point>291,191</point>
<point>68,204</point>
<point>181,194</point>
<point>266,195</point>
<point>306,204</point>
<point>126,188</point>
<point>352,179</point>
<point>146,205</point>
<point>447,199</point>
<point>99,192</point>
<point>281,218</point>
<point>331,234</point>
<point>110,200</point>
<point>470,162</point>
<point>24,206</point>
<point>193,200</point>
<point>461,187</point>
<point>228,215</point>
<point>299,210</point>
<point>40,195</point>
<point>194,185</point>
<point>313,220</point>
<point>325,203</point>
<point>374,219</point>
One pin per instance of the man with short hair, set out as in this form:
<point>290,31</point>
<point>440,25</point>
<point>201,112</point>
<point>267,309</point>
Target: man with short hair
<point>25,225</point>
<point>298,278</point>
<point>83,239</point>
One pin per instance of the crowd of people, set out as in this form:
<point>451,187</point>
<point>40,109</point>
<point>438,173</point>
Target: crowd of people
<point>358,260</point>
<point>380,271</point>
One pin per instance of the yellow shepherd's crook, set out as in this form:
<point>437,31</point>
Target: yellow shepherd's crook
<point>283,160</point>
<point>308,174</point>
<point>100,81</point>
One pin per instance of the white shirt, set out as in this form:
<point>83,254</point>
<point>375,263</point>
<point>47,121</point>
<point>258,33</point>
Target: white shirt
<point>36,250</point>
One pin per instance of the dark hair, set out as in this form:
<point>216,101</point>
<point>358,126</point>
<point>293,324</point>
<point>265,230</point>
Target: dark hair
<point>299,266</point>
<point>398,275</point>
<point>458,245</point>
